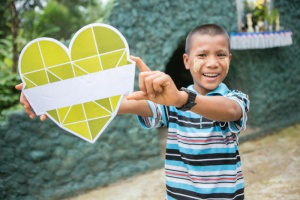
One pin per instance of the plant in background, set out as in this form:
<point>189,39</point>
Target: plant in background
<point>260,12</point>
<point>6,50</point>
<point>263,17</point>
<point>257,11</point>
<point>33,19</point>
<point>271,16</point>
<point>9,97</point>
<point>249,6</point>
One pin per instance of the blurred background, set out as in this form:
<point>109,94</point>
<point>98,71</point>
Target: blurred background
<point>38,160</point>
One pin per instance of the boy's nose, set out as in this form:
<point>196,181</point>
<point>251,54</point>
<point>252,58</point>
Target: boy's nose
<point>212,63</point>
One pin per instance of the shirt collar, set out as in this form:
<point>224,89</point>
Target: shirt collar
<point>221,90</point>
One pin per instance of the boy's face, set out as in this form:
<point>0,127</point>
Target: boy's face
<point>208,61</point>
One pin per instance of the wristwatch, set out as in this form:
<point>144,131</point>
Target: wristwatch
<point>190,101</point>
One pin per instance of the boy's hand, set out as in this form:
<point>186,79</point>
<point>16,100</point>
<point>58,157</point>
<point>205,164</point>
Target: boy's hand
<point>157,87</point>
<point>26,105</point>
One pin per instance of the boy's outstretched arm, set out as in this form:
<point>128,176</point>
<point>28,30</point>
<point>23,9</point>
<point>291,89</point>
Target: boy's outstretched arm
<point>139,107</point>
<point>158,87</point>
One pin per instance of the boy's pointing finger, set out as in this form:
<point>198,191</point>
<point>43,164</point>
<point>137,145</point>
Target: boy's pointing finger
<point>138,95</point>
<point>141,65</point>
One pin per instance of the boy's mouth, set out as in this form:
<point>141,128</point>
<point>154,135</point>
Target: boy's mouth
<point>210,75</point>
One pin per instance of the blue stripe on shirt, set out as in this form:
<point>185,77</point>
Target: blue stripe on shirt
<point>196,130</point>
<point>204,168</point>
<point>202,150</point>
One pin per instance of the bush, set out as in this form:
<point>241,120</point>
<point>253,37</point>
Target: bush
<point>9,96</point>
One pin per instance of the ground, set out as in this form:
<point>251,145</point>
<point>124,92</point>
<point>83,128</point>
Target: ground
<point>270,165</point>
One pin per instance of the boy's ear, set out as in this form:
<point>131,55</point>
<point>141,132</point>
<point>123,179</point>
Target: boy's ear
<point>230,56</point>
<point>186,61</point>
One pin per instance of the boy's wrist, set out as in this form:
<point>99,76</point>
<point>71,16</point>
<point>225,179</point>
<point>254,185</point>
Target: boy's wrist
<point>183,97</point>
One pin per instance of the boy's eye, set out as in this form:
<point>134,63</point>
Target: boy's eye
<point>202,55</point>
<point>221,55</point>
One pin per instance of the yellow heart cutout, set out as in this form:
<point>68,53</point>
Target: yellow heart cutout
<point>79,88</point>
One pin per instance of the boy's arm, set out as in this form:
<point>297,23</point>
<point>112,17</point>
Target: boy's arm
<point>217,108</point>
<point>139,107</point>
<point>158,87</point>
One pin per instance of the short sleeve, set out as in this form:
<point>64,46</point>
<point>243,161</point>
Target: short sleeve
<point>158,119</point>
<point>244,102</point>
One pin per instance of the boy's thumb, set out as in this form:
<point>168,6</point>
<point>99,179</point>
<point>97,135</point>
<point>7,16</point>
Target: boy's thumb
<point>139,95</point>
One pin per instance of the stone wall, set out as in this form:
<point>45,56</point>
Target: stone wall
<point>271,76</point>
<point>38,160</point>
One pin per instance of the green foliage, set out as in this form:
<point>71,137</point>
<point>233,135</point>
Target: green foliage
<point>260,13</point>
<point>6,52</point>
<point>249,7</point>
<point>60,19</point>
<point>263,13</point>
<point>271,15</point>
<point>99,12</point>
<point>52,18</point>
<point>56,17</point>
<point>4,12</point>
<point>8,95</point>
<point>6,49</point>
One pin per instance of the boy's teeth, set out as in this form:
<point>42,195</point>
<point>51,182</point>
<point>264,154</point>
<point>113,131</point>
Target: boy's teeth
<point>211,75</point>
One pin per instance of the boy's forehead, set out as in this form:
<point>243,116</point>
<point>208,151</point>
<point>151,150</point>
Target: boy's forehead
<point>220,40</point>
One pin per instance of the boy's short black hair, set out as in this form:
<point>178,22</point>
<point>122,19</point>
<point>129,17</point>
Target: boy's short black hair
<point>206,29</point>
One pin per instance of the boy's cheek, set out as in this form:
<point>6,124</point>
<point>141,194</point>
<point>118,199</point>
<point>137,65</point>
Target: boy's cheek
<point>198,63</point>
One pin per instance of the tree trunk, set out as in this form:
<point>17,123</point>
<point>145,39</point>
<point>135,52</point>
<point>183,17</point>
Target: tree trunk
<point>14,30</point>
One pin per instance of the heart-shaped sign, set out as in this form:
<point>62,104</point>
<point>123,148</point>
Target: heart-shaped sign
<point>79,88</point>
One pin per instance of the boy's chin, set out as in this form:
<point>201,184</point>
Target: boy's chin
<point>211,87</point>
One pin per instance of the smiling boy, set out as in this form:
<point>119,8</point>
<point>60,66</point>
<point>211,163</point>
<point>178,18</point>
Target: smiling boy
<point>204,120</point>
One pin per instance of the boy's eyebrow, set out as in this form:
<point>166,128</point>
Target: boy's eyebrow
<point>223,50</point>
<point>201,51</point>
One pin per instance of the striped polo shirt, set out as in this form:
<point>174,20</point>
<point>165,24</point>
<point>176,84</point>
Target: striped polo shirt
<point>202,157</point>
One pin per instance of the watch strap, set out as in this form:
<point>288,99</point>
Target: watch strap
<point>190,101</point>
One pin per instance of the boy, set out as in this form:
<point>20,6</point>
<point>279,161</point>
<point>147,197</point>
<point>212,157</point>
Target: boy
<point>203,120</point>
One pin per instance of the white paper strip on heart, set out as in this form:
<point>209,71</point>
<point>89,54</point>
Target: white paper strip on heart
<point>79,88</point>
